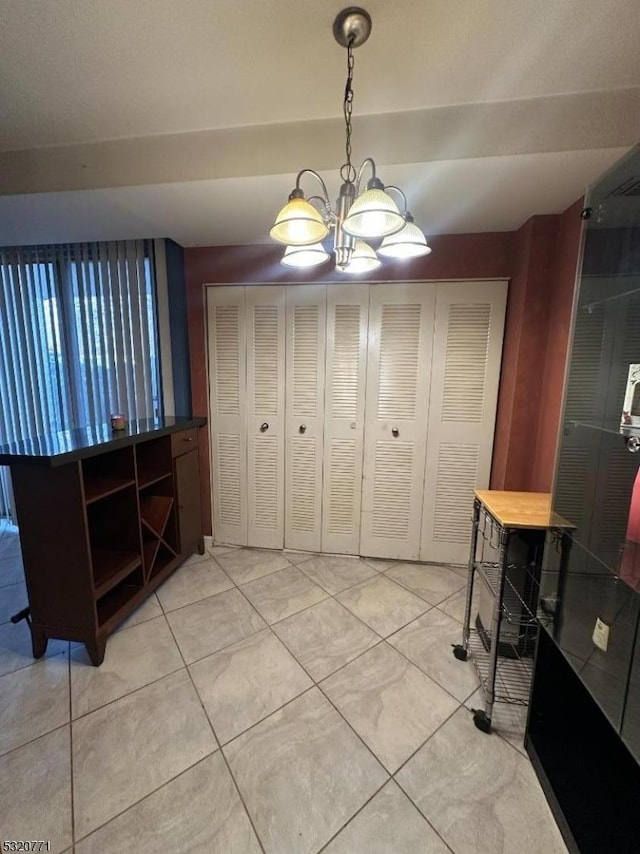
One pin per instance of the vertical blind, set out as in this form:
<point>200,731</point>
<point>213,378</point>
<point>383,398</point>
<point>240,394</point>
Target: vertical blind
<point>78,339</point>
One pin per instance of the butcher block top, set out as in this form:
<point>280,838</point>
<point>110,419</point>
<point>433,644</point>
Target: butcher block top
<point>521,509</point>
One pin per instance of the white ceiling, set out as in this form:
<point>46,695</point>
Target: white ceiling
<point>189,118</point>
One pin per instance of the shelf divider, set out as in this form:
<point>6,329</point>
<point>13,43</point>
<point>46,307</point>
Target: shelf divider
<point>96,488</point>
<point>110,567</point>
<point>148,478</point>
<point>154,512</point>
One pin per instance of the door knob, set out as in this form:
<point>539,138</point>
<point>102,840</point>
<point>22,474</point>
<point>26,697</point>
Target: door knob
<point>633,445</point>
<point>303,428</point>
<point>264,427</point>
<point>395,431</point>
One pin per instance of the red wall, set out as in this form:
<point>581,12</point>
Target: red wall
<point>544,262</point>
<point>528,257</point>
<point>564,270</point>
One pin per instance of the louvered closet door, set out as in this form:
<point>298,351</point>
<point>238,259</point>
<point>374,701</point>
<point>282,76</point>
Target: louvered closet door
<point>465,375</point>
<point>306,330</point>
<point>398,372</point>
<point>227,408</point>
<point>265,319</point>
<point>347,323</point>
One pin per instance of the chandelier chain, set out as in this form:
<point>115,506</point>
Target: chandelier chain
<point>348,171</point>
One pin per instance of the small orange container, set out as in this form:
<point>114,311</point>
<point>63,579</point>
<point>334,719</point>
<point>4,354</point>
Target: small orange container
<point>118,422</point>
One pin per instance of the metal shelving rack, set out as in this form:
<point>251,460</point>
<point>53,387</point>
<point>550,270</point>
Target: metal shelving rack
<point>505,664</point>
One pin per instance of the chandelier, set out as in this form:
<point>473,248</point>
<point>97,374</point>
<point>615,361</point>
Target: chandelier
<point>358,217</point>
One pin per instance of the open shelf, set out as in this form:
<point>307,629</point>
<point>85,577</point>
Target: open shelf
<point>164,557</point>
<point>114,537</point>
<point>119,596</point>
<point>157,552</point>
<point>514,607</point>
<point>107,473</point>
<point>513,674</point>
<point>154,512</point>
<point>110,567</point>
<point>154,461</point>
<point>96,488</point>
<point>150,478</point>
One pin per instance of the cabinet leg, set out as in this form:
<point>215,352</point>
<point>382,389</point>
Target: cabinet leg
<point>39,642</point>
<point>201,546</point>
<point>95,651</point>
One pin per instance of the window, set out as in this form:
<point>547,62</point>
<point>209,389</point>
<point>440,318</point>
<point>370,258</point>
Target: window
<point>78,339</point>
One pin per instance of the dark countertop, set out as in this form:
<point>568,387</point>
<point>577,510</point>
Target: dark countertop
<point>68,446</point>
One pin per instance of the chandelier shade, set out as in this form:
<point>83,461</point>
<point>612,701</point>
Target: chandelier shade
<point>363,259</point>
<point>374,214</point>
<point>357,217</point>
<point>305,256</point>
<point>409,242</point>
<point>299,224</point>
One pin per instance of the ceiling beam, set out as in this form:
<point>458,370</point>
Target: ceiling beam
<point>570,122</point>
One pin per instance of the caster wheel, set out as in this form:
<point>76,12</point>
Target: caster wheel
<point>480,719</point>
<point>460,652</point>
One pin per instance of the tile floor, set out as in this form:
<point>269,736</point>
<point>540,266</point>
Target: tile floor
<point>269,702</point>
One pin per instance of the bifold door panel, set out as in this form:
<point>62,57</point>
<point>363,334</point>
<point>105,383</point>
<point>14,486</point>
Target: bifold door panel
<point>227,409</point>
<point>346,362</point>
<point>306,333</point>
<point>400,344</point>
<point>467,350</point>
<point>353,418</point>
<point>265,319</point>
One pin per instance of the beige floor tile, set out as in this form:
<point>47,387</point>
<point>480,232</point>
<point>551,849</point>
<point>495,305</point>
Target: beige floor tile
<point>12,599</point>
<point>428,642</point>
<point>282,594</point>
<point>244,565</point>
<point>479,793</point>
<point>199,812</point>
<point>335,574</point>
<point>302,773</point>
<point>196,557</point>
<point>213,623</point>
<point>299,557</point>
<point>216,550</point>
<point>33,701</point>
<point>15,647</point>
<point>380,565</point>
<point>391,704</point>
<point>245,682</point>
<point>35,791</point>
<point>9,544</point>
<point>192,583</point>
<point>388,823</point>
<point>455,605</point>
<point>433,583</point>
<point>325,637</point>
<point>11,571</point>
<point>382,604</point>
<point>133,658</point>
<point>149,610</point>
<point>122,752</point>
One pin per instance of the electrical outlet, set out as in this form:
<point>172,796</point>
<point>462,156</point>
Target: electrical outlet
<point>600,635</point>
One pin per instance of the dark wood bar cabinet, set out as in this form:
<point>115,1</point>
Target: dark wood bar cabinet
<point>104,518</point>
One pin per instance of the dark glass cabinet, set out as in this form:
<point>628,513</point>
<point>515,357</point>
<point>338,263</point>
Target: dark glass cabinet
<point>583,732</point>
